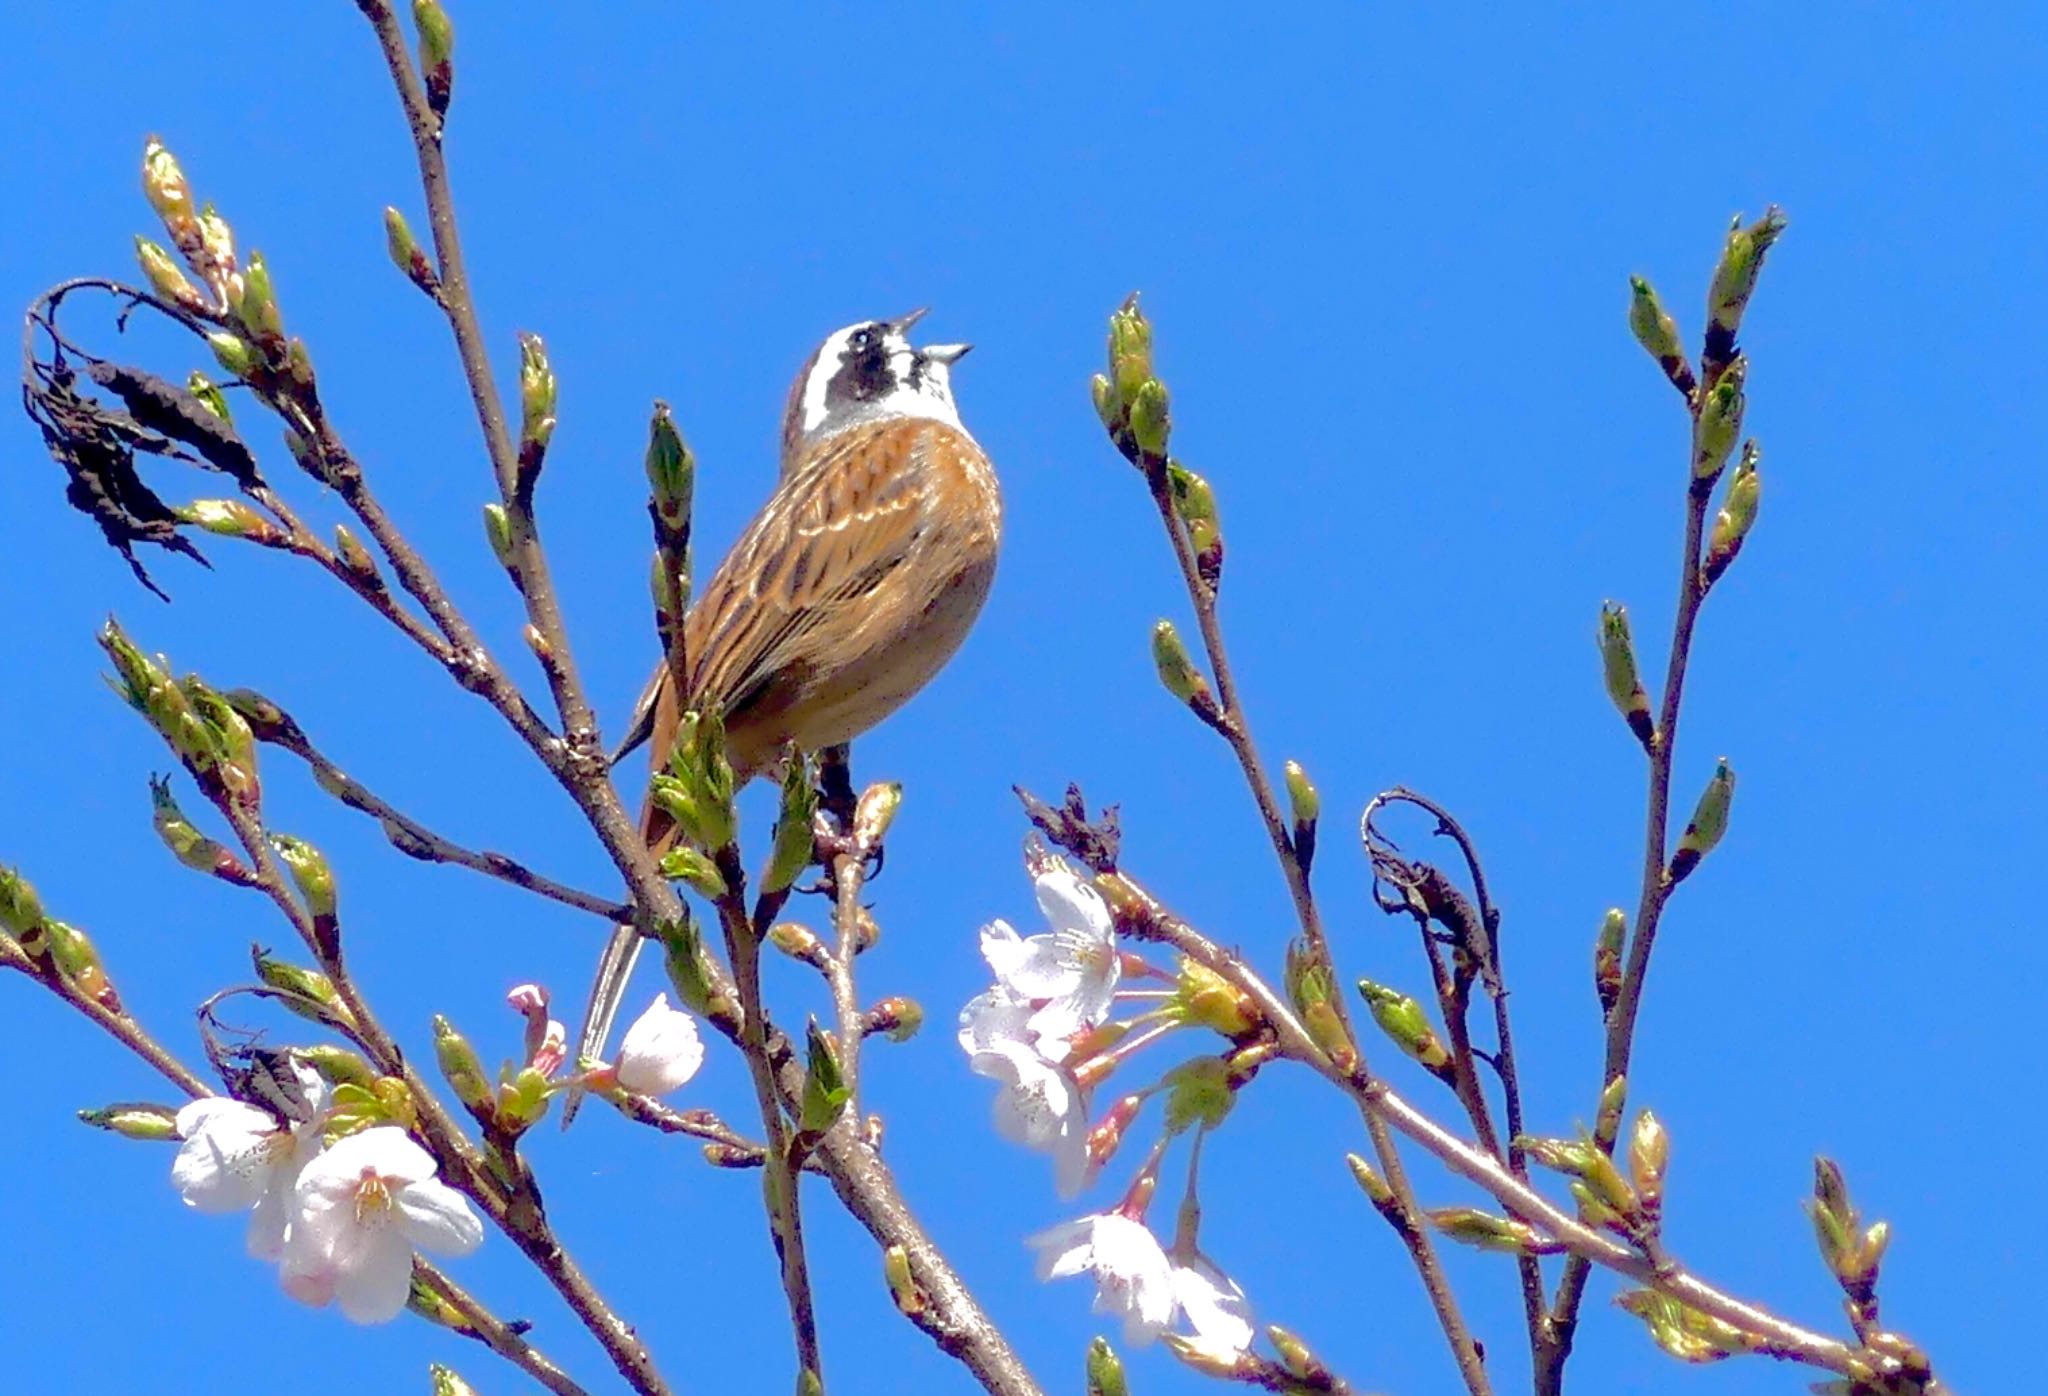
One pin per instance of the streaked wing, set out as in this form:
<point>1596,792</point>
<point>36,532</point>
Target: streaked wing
<point>832,532</point>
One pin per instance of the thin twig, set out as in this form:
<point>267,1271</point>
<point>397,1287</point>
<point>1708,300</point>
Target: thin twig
<point>119,1026</point>
<point>1236,730</point>
<point>493,1332</point>
<point>1142,915</point>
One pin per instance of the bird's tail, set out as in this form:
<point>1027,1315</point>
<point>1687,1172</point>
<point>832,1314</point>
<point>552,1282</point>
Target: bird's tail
<point>622,951</point>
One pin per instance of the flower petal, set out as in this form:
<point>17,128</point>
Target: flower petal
<point>385,1150</point>
<point>374,1285</point>
<point>1069,904</point>
<point>224,1165</point>
<point>1214,1306</point>
<point>661,1051</point>
<point>435,1217</point>
<point>1065,1249</point>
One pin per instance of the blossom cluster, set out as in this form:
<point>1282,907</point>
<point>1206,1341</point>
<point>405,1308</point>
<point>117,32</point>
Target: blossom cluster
<point>1044,1032</point>
<point>343,1219</point>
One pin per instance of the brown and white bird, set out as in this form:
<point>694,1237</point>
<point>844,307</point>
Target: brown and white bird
<point>851,588</point>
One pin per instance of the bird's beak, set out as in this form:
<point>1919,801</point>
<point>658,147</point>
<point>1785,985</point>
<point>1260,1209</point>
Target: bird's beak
<point>944,353</point>
<point>902,323</point>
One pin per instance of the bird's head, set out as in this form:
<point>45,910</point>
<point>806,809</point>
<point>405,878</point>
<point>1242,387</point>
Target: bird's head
<point>865,372</point>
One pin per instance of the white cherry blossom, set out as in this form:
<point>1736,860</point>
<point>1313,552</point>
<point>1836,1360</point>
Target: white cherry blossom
<point>361,1208</point>
<point>1040,1105</point>
<point>1070,971</point>
<point>1213,1306</point>
<point>661,1051</point>
<point>236,1157</point>
<point>1134,1280</point>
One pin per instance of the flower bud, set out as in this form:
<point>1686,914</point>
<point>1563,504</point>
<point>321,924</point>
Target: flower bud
<point>1738,512</point>
<point>407,254</point>
<point>1107,407</point>
<point>686,863</point>
<point>166,279</point>
<point>254,303</point>
<point>798,942</point>
<point>1649,1155</point>
<point>1618,673</point>
<point>134,1120</point>
<point>1130,348</point>
<point>697,788</point>
<point>1401,1018</point>
<point>825,1093</point>
<point>338,1065</point>
<point>306,992</point>
<point>230,518</point>
<point>1205,998</point>
<point>1311,989</point>
<point>1151,417</point>
<point>1709,821</point>
<point>233,353</point>
<point>21,910</point>
<point>1735,276</point>
<point>163,182</point>
<point>1178,673</point>
<point>1657,332</point>
<point>896,1018</point>
<point>1105,1370</point>
<point>1720,421</point>
<point>78,960</point>
<point>1194,503</point>
<point>1306,805</point>
<point>903,1288</point>
<point>1369,1179</point>
<point>1488,1232</point>
<point>498,529</point>
<point>1211,1360</point>
<point>463,1071</point>
<point>523,1101</point>
<point>683,947</point>
<point>671,471</point>
<point>1607,958</point>
<point>1607,1120</point>
<point>1296,1357</point>
<point>309,870</point>
<point>217,243</point>
<point>537,392</point>
<point>437,53</point>
<point>1685,1333</point>
<point>876,811</point>
<point>446,1381</point>
<point>1572,1156</point>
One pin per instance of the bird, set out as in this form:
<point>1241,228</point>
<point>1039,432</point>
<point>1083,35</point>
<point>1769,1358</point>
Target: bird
<point>850,589</point>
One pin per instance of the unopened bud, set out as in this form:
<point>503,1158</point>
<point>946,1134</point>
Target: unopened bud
<point>209,394</point>
<point>354,556</point>
<point>798,942</point>
<point>1368,1178</point>
<point>163,182</point>
<point>683,945</point>
<point>1194,502</point>
<point>216,258</point>
<point>254,302</point>
<point>1198,1093</point>
<point>166,279</point>
<point>338,1065</point>
<point>1620,676</point>
<point>21,910</point>
<point>1151,417</point>
<point>1130,348</point>
<point>896,1018</point>
<point>1685,1333</point>
<point>1306,805</point>
<point>134,1120</point>
<point>671,471</point>
<point>1735,276</point>
<point>234,353</point>
<point>1296,1357</point>
<point>407,254</point>
<point>437,53</point>
<point>537,392</point>
<point>1737,513</point>
<point>1649,1155</point>
<point>876,812</point>
<point>1607,947</point>
<point>1720,421</point>
<point>1708,823</point>
<point>1103,394</point>
<point>1657,332</point>
<point>1105,1370</point>
<point>309,870</point>
<point>446,1380</point>
<point>1178,673</point>
<point>305,992</point>
<point>794,839</point>
<point>1401,1018</point>
<point>463,1070</point>
<point>230,518</point>
<point>903,1288</point>
<point>498,529</point>
<point>1206,998</point>
<point>1607,1119</point>
<point>1210,1359</point>
<point>78,960</point>
<point>1488,1232</point>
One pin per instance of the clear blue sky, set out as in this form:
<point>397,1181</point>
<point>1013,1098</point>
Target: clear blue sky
<point>1387,259</point>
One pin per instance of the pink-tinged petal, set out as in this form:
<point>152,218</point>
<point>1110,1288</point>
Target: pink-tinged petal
<point>1069,904</point>
<point>308,1279</point>
<point>374,1286</point>
<point>992,1017</point>
<point>435,1217</point>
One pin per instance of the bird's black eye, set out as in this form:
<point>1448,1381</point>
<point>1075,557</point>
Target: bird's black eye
<point>862,341</point>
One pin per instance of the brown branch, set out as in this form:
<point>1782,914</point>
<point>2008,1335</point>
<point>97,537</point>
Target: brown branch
<point>493,1332</point>
<point>1140,914</point>
<point>1656,890</point>
<point>119,1026</point>
<point>412,838</point>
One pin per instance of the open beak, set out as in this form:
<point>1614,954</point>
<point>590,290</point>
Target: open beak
<point>944,353</point>
<point>902,323</point>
